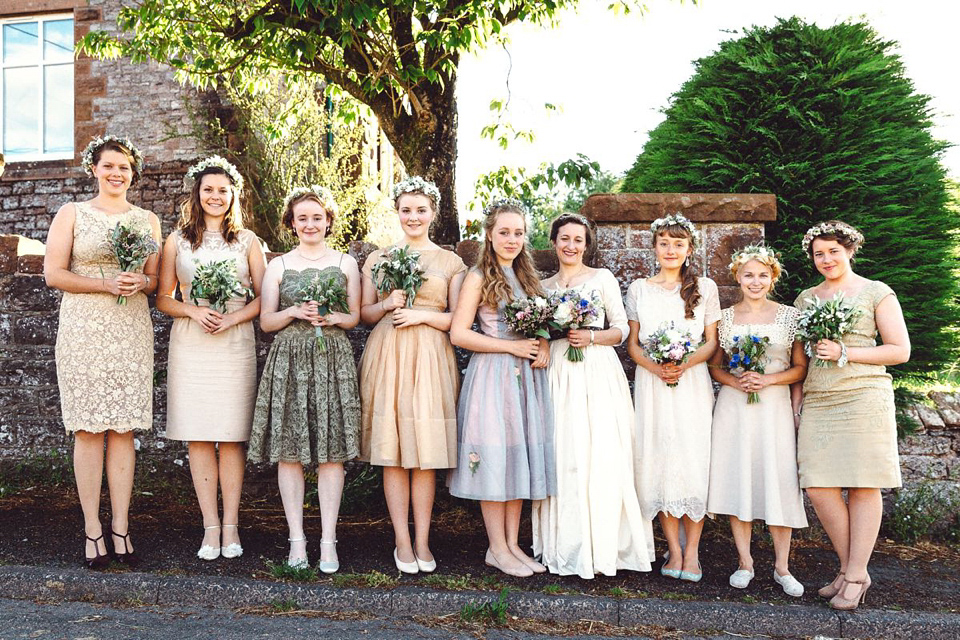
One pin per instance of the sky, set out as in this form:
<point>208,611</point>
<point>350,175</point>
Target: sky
<point>612,74</point>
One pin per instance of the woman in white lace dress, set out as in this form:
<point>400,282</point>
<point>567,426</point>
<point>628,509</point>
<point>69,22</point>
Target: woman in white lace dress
<point>674,402</point>
<point>753,463</point>
<point>212,363</point>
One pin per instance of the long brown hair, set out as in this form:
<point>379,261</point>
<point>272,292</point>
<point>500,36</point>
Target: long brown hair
<point>191,223</point>
<point>495,287</point>
<point>689,286</point>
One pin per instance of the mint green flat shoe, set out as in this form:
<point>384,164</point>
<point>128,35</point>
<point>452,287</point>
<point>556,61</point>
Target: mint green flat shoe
<point>690,576</point>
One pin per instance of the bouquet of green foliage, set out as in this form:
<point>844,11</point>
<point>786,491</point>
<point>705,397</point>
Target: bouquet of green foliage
<point>216,282</point>
<point>748,354</point>
<point>329,295</point>
<point>825,320</point>
<point>131,244</point>
<point>399,269</point>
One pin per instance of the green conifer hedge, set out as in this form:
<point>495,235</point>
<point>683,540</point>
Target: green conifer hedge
<point>827,120</point>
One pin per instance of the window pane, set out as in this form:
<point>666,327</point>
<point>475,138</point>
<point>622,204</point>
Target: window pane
<point>58,40</point>
<point>20,42</point>
<point>21,97</point>
<point>58,108</point>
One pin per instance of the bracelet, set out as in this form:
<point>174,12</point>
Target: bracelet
<point>146,281</point>
<point>592,336</point>
<point>842,360</point>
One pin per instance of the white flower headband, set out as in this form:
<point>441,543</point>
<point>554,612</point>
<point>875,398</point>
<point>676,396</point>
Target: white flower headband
<point>220,162</point>
<point>324,195</point>
<point>415,184</point>
<point>502,203</point>
<point>86,158</point>
<point>680,220</point>
<point>760,253</point>
<point>831,229</point>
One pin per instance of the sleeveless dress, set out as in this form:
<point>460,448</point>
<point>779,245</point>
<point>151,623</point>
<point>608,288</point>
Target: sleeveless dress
<point>308,406</point>
<point>505,421</point>
<point>104,350</point>
<point>848,431</point>
<point>672,456</point>
<point>409,379</point>
<point>753,459</point>
<point>211,379</point>
<point>594,523</point>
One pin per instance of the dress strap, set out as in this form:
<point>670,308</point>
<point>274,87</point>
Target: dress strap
<point>283,263</point>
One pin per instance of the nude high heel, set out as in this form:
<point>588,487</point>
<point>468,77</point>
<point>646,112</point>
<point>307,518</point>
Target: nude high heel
<point>844,604</point>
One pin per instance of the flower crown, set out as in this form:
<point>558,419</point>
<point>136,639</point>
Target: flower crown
<point>680,220</point>
<point>760,253</point>
<point>220,162</point>
<point>415,184</point>
<point>324,195</point>
<point>502,203</point>
<point>86,158</point>
<point>831,229</point>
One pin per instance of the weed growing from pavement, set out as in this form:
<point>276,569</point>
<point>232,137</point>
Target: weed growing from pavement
<point>670,595</point>
<point>617,592</point>
<point>283,571</point>
<point>452,583</point>
<point>284,606</point>
<point>488,612</point>
<point>554,589</point>
<point>370,579</point>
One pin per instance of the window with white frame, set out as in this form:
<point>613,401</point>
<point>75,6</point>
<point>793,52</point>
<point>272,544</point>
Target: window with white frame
<point>36,87</point>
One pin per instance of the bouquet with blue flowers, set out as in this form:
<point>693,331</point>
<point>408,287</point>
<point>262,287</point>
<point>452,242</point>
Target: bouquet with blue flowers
<point>748,353</point>
<point>574,310</point>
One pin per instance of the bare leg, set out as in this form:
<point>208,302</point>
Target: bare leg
<point>835,518</point>
<point>741,537</point>
<point>424,486</point>
<point>203,468</point>
<point>691,553</point>
<point>88,471</point>
<point>396,489</point>
<point>671,529</point>
<point>232,466</point>
<point>866,511</point>
<point>330,478</point>
<point>495,521</point>
<point>781,548</point>
<point>120,466</point>
<point>512,523</point>
<point>290,481</point>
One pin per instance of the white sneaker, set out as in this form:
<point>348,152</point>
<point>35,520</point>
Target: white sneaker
<point>741,578</point>
<point>791,586</point>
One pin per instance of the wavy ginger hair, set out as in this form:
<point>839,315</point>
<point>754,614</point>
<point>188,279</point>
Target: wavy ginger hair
<point>495,287</point>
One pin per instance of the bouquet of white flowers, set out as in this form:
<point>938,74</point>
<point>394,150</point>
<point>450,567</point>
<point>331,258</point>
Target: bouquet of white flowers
<point>574,311</point>
<point>826,320</point>
<point>669,344</point>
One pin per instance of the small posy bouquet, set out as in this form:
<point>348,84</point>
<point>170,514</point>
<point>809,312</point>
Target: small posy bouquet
<point>530,317</point>
<point>825,320</point>
<point>669,344</point>
<point>131,244</point>
<point>399,269</point>
<point>748,354</point>
<point>329,295</point>
<point>574,311</point>
<point>216,282</point>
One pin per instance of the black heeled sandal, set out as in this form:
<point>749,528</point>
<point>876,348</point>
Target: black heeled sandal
<point>129,558</point>
<point>102,560</point>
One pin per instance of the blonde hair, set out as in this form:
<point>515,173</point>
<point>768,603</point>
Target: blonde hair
<point>495,287</point>
<point>762,254</point>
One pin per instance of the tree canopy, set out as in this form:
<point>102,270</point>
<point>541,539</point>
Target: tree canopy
<point>828,121</point>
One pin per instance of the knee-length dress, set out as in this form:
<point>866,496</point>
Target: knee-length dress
<point>104,350</point>
<point>409,379</point>
<point>504,422</point>
<point>211,378</point>
<point>848,430</point>
<point>308,405</point>
<point>672,455</point>
<point>753,458</point>
<point>594,523</point>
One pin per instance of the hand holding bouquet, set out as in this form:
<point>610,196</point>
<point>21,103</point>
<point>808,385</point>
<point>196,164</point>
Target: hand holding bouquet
<point>131,244</point>
<point>573,310</point>
<point>329,295</point>
<point>216,282</point>
<point>669,345</point>
<point>399,269</point>
<point>826,320</point>
<point>747,354</point>
<point>530,317</point>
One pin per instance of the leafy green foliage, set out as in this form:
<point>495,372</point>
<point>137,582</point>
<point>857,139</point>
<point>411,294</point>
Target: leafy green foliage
<point>827,120</point>
<point>494,612</point>
<point>924,510</point>
<point>216,282</point>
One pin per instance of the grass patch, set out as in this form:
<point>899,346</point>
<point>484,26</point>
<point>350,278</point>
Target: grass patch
<point>617,592</point>
<point>554,590</point>
<point>749,599</point>
<point>487,612</point>
<point>370,579</point>
<point>285,605</point>
<point>283,571</point>
<point>670,595</point>
<point>451,583</point>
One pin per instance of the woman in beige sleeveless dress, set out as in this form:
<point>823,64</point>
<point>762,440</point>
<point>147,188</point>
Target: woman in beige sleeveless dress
<point>104,349</point>
<point>848,430</point>
<point>212,363</point>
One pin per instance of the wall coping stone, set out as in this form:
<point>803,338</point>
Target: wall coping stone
<point>698,207</point>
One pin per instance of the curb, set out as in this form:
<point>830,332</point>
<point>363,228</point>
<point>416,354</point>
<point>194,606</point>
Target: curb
<point>24,582</point>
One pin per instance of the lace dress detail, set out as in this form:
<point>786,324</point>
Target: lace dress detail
<point>308,405</point>
<point>104,351</point>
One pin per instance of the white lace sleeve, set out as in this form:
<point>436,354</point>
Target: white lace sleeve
<point>633,301</point>
<point>726,326</point>
<point>787,324</point>
<point>613,303</point>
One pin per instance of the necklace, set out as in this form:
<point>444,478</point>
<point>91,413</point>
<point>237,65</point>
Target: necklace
<point>320,257</point>
<point>566,285</point>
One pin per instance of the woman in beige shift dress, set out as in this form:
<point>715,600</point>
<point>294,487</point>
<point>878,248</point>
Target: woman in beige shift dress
<point>104,349</point>
<point>212,363</point>
<point>848,431</point>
